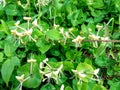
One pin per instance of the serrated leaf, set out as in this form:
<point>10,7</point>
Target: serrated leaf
<point>8,67</point>
<point>53,34</point>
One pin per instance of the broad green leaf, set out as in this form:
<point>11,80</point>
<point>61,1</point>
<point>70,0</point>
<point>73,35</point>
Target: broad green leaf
<point>8,49</point>
<point>4,27</point>
<point>35,80</point>
<point>68,88</point>
<point>48,87</point>
<point>53,34</point>
<point>68,65</point>
<point>11,9</point>
<point>8,67</point>
<point>86,69</point>
<point>99,87</point>
<point>43,45</point>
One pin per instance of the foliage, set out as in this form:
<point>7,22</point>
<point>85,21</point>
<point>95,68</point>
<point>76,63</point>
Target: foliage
<point>59,44</point>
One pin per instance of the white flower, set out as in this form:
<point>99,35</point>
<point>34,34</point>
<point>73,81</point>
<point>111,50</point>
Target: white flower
<point>48,75</point>
<point>70,29</point>
<point>81,75</point>
<point>96,72</point>
<point>67,34</point>
<point>17,23</point>
<point>104,38</point>
<point>45,60</point>
<point>62,30</point>
<point>94,37</point>
<point>20,78</point>
<point>27,18</point>
<point>99,27</point>
<point>31,60</point>
<point>3,2</point>
<point>35,22</point>
<point>78,40</point>
<point>41,65</point>
<point>28,32</point>
<point>62,87</point>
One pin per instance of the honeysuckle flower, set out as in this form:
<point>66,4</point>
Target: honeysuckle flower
<point>61,30</point>
<point>3,2</point>
<point>27,18</point>
<point>67,35</point>
<point>99,27</point>
<point>17,23</point>
<point>35,22</point>
<point>45,60</point>
<point>104,38</point>
<point>96,72</point>
<point>31,61</point>
<point>70,29</point>
<point>41,65</point>
<point>81,75</point>
<point>78,40</point>
<point>94,37</point>
<point>56,26</point>
<point>48,75</point>
<point>20,78</point>
<point>62,87</point>
<point>28,32</point>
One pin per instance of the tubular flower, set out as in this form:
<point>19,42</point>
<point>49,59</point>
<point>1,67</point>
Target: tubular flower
<point>27,18</point>
<point>94,37</point>
<point>78,40</point>
<point>20,78</point>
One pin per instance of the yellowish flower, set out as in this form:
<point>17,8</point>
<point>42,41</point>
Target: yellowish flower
<point>20,78</point>
<point>27,18</point>
<point>31,60</point>
<point>94,37</point>
<point>17,23</point>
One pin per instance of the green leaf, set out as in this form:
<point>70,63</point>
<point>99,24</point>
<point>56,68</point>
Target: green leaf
<point>8,67</point>
<point>48,87</point>
<point>9,49</point>
<point>1,56</point>
<point>43,45</point>
<point>86,69</point>
<point>35,80</point>
<point>4,27</point>
<point>99,87</point>
<point>68,65</point>
<point>11,9</point>
<point>53,34</point>
<point>68,88</point>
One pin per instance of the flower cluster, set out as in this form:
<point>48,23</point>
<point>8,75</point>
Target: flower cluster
<point>50,72</point>
<point>84,75</point>
<point>26,32</point>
